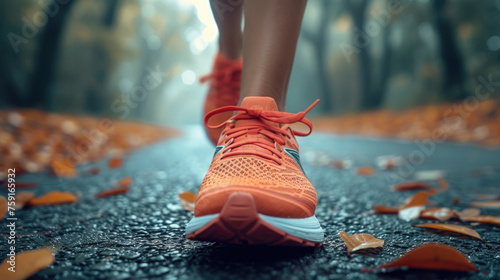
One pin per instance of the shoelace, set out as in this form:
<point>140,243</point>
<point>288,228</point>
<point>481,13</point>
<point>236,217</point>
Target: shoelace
<point>275,134</point>
<point>224,83</point>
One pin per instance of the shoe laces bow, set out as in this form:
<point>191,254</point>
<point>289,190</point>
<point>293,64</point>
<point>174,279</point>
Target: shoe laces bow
<point>275,135</point>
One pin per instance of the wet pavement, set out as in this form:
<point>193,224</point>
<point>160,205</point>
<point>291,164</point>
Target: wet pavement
<point>140,234</point>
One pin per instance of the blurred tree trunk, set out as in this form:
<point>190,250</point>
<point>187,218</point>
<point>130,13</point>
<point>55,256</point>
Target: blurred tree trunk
<point>454,74</point>
<point>46,58</point>
<point>318,40</point>
<point>110,15</point>
<point>370,97</point>
<point>385,70</point>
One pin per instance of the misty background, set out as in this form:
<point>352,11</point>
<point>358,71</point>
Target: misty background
<point>141,59</point>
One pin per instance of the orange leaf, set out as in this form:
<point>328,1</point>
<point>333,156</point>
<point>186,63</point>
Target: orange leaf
<point>52,198</point>
<point>467,213</point>
<point>3,207</point>
<point>360,241</point>
<point>483,219</point>
<point>27,264</point>
<point>437,213</point>
<point>384,209</point>
<point>23,198</point>
<point>115,162</point>
<point>113,191</point>
<point>443,185</point>
<point>125,182</point>
<point>187,200</point>
<point>63,168</point>
<point>93,171</point>
<point>486,196</point>
<point>486,204</point>
<point>453,228</point>
<point>414,206</point>
<point>415,185</point>
<point>365,170</point>
<point>341,164</point>
<point>434,257</point>
<point>419,199</point>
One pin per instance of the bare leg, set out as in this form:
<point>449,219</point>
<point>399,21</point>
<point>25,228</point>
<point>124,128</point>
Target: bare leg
<point>270,38</point>
<point>227,14</point>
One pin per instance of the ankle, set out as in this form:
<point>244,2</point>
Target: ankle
<point>232,48</point>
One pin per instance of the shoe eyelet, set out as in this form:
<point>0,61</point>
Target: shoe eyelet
<point>277,147</point>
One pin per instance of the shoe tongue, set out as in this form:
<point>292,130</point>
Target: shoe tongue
<point>259,103</point>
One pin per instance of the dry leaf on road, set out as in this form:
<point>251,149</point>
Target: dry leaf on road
<point>360,241</point>
<point>52,198</point>
<point>443,185</point>
<point>125,182</point>
<point>63,168</point>
<point>414,206</point>
<point>27,264</point>
<point>483,219</point>
<point>384,209</point>
<point>437,213</point>
<point>3,207</point>
<point>454,228</point>
<point>23,198</point>
<point>187,200</point>
<point>414,185</point>
<point>467,213</point>
<point>113,191</point>
<point>486,204</point>
<point>115,162</point>
<point>431,256</point>
<point>365,171</point>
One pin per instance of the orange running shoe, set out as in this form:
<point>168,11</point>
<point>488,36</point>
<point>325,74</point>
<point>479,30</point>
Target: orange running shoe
<point>225,81</point>
<point>255,190</point>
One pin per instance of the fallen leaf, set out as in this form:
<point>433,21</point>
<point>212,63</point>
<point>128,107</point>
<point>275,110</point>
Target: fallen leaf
<point>429,175</point>
<point>432,256</point>
<point>486,196</point>
<point>486,204</point>
<point>360,241</point>
<point>63,168</point>
<point>22,199</point>
<point>467,213</point>
<point>419,199</point>
<point>453,228</point>
<point>3,207</point>
<point>125,182</point>
<point>113,191</point>
<point>187,200</point>
<point>414,185</point>
<point>414,206</point>
<point>365,171</point>
<point>443,185</point>
<point>437,213</point>
<point>115,162</point>
<point>410,213</point>
<point>93,171</point>
<point>384,209</point>
<point>27,264</point>
<point>52,198</point>
<point>483,219</point>
<point>388,162</point>
<point>341,164</point>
